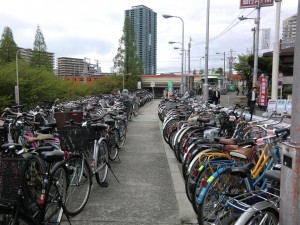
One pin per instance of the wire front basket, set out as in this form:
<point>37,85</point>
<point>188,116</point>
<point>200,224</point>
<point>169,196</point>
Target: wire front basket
<point>74,139</point>
<point>12,174</point>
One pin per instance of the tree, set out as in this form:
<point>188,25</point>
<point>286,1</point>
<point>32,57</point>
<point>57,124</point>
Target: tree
<point>219,71</point>
<point>40,56</point>
<point>244,69</point>
<point>8,47</point>
<point>126,60</point>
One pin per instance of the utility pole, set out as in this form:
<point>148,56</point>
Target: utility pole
<point>254,30</point>
<point>189,64</point>
<point>290,170</point>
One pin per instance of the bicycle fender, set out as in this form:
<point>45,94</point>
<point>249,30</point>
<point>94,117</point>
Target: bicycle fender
<point>210,182</point>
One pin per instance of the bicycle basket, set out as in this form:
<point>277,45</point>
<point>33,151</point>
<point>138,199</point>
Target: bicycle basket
<point>74,139</point>
<point>252,200</point>
<point>12,174</point>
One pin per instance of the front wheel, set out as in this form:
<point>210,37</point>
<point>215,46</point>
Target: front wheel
<point>56,194</point>
<point>80,184</point>
<point>114,142</point>
<point>101,163</point>
<point>268,216</point>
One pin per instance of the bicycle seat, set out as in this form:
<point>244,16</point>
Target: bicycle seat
<point>11,146</point>
<point>99,126</point>
<point>242,171</point>
<point>53,156</point>
<point>226,141</point>
<point>242,153</point>
<point>110,122</point>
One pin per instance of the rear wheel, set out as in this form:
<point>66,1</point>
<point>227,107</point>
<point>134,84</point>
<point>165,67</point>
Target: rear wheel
<point>80,184</point>
<point>7,216</point>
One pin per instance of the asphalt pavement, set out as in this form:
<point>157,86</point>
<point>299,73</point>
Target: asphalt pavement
<point>151,189</point>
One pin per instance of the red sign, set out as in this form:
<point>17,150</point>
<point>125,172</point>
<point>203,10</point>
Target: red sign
<point>254,3</point>
<point>263,91</point>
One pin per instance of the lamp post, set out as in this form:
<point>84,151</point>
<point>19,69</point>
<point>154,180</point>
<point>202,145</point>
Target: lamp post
<point>182,47</point>
<point>256,22</point>
<point>17,93</point>
<point>224,61</point>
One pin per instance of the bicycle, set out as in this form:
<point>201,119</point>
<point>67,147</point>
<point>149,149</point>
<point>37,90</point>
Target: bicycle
<point>50,206</point>
<point>228,181</point>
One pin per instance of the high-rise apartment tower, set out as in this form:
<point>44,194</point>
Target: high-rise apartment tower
<point>289,30</point>
<point>144,22</point>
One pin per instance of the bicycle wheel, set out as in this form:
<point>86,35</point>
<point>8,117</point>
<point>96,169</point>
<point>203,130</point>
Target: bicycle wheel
<point>56,194</point>
<point>268,216</point>
<point>80,183</point>
<point>123,132</point>
<point>114,141</point>
<point>212,208</point>
<point>34,175</point>
<point>101,161</point>
<point>7,215</point>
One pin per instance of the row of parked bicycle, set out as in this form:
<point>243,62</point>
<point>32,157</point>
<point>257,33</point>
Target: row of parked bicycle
<point>231,166</point>
<point>49,155</point>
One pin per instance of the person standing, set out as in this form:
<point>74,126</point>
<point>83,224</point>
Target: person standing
<point>252,95</point>
<point>216,96</point>
<point>240,87</point>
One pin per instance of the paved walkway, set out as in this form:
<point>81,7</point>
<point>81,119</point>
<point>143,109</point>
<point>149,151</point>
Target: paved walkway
<point>151,189</point>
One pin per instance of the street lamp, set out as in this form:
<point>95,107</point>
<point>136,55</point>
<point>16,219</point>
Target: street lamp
<point>256,22</point>
<point>17,93</point>
<point>224,62</point>
<point>182,47</point>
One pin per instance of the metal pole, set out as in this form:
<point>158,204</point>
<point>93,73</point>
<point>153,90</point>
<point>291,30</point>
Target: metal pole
<point>253,29</point>
<point>255,69</point>
<point>17,76</point>
<point>182,50</point>
<point>123,81</point>
<point>224,65</point>
<point>290,176</point>
<point>205,85</point>
<point>275,65</point>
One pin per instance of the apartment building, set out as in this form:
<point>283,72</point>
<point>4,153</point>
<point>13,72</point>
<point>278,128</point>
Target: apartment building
<point>289,30</point>
<point>67,66</point>
<point>144,22</point>
<point>26,54</point>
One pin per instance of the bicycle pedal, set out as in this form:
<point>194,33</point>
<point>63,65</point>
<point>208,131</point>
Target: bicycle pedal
<point>104,184</point>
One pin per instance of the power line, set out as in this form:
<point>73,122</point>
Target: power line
<point>230,26</point>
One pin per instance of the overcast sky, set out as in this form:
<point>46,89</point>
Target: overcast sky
<point>92,28</point>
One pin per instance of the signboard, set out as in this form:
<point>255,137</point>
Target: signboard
<point>254,3</point>
<point>266,38</point>
<point>280,108</point>
<point>288,107</point>
<point>271,106</point>
<point>152,84</point>
<point>263,91</point>
<point>170,86</point>
<point>139,85</point>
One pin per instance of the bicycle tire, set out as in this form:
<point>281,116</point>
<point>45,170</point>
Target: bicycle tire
<point>34,175</point>
<point>101,163</point>
<point>7,215</point>
<point>114,144</point>
<point>213,207</point>
<point>80,183</point>
<point>123,132</point>
<point>268,216</point>
<point>56,194</point>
